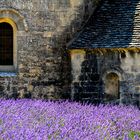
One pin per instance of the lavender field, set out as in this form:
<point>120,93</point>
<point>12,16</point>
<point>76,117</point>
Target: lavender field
<point>38,120</point>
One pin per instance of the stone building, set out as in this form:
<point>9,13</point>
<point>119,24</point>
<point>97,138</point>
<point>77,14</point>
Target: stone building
<point>33,36</point>
<point>105,55</point>
<point>76,49</point>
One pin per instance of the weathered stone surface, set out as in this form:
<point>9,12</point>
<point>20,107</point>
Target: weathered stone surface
<point>110,40</point>
<point>43,29</point>
<point>93,73</point>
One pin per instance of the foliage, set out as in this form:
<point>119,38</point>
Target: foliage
<point>40,120</point>
<point>134,134</point>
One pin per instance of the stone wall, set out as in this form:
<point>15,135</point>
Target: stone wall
<point>131,78</point>
<point>94,70</point>
<point>43,29</point>
<point>88,85</point>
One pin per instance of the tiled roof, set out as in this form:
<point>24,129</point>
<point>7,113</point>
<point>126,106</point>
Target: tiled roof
<point>115,25</point>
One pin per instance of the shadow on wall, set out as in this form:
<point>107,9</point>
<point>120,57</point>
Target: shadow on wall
<point>112,26</point>
<point>89,86</point>
<point>69,17</point>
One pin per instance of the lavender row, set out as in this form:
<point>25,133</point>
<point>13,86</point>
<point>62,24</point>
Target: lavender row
<point>40,120</point>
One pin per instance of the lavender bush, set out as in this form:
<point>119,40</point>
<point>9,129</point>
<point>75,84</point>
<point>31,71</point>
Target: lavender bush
<point>38,120</point>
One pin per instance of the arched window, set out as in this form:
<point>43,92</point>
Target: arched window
<point>8,50</point>
<point>6,44</point>
<point>112,86</point>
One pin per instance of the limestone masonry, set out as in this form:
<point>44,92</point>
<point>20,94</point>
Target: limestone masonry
<point>42,29</point>
<point>105,56</point>
<point>85,50</point>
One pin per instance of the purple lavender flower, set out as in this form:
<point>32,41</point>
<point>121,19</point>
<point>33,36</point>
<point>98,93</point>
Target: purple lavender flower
<point>40,120</point>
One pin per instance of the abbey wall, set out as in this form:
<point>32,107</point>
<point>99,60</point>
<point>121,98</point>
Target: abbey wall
<point>110,76</point>
<point>42,29</point>
<point>105,56</point>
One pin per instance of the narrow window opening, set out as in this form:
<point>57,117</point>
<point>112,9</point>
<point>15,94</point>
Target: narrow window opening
<point>112,86</point>
<point>6,44</point>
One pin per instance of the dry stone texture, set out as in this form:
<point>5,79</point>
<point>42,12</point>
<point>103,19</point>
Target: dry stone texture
<point>111,45</point>
<point>43,29</point>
